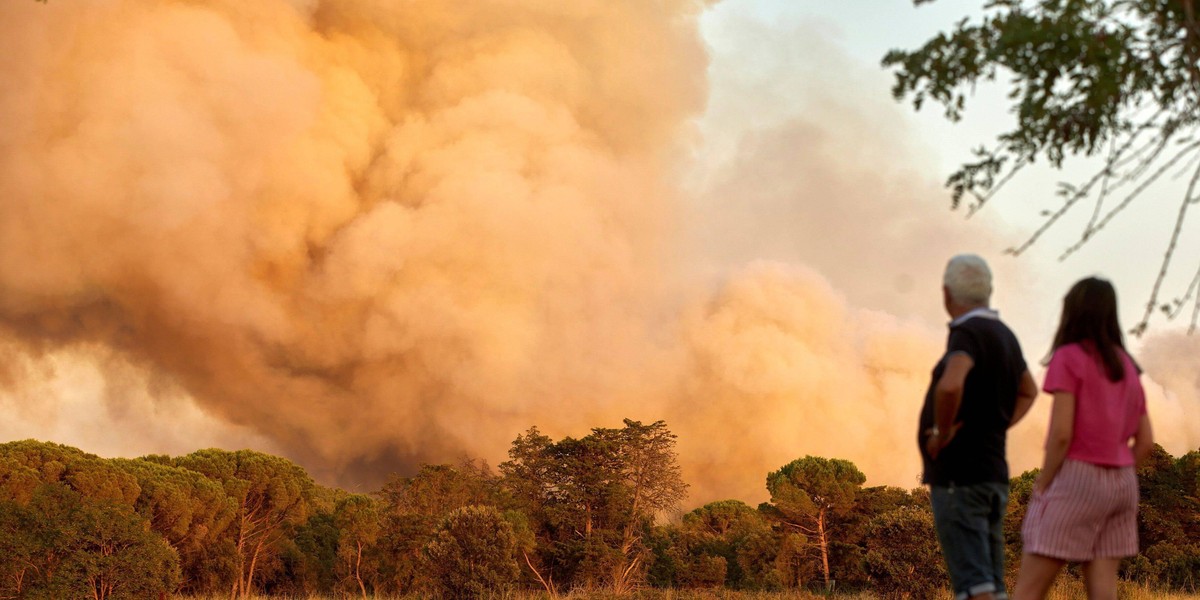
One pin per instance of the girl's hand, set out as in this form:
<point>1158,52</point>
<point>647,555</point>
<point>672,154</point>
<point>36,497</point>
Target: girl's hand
<point>1041,483</point>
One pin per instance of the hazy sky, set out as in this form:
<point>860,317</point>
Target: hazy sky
<point>857,34</point>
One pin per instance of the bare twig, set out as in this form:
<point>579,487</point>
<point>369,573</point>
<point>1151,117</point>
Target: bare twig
<point>1166,262</point>
<point>1104,189</point>
<point>1132,196</point>
<point>1167,131</point>
<point>1079,194</point>
<point>1195,311</point>
<point>980,201</point>
<point>1187,295</point>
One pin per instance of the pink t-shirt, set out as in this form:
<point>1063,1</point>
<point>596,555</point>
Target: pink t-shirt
<point>1107,413</point>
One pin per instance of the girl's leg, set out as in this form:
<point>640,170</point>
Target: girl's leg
<point>1100,576</point>
<point>1036,576</point>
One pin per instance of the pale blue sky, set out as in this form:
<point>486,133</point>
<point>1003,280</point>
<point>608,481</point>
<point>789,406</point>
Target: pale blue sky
<point>867,27</point>
<point>832,49</point>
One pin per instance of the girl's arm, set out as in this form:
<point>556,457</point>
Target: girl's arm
<point>1143,440</point>
<point>1062,426</point>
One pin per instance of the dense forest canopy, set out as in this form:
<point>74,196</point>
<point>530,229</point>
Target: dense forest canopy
<point>597,512</point>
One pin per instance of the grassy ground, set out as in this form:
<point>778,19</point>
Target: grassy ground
<point>1065,589</point>
<point>1072,589</point>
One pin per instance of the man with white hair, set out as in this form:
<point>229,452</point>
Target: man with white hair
<point>980,388</point>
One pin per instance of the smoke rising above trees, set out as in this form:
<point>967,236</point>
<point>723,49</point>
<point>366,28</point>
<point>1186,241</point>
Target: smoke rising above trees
<point>355,228</point>
<point>368,236</point>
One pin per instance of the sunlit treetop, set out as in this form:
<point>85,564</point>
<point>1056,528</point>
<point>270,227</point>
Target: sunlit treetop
<point>1117,80</point>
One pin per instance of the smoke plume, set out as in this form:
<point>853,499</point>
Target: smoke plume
<point>367,234</point>
<point>372,233</point>
<point>1173,389</point>
<point>782,367</point>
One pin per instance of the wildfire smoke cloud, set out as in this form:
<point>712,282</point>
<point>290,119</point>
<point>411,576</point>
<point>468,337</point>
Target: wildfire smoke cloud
<point>369,234</point>
<point>374,232</point>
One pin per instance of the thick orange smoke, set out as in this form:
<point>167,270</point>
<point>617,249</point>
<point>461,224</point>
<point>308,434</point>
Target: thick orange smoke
<point>781,367</point>
<point>374,233</point>
<point>1173,389</point>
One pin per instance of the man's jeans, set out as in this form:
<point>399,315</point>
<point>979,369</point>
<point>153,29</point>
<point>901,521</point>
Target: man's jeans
<point>970,526</point>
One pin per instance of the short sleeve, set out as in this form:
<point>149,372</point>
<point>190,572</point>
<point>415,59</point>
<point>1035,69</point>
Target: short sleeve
<point>1139,392</point>
<point>963,341</point>
<point>1063,373</point>
<point>1140,400</point>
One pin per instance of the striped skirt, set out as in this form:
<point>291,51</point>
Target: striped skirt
<point>1088,512</point>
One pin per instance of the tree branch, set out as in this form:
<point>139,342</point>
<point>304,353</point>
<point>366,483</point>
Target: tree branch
<point>1187,295</point>
<point>548,585</point>
<point>1188,199</point>
<point>1103,176</point>
<point>1133,195</point>
<point>981,200</point>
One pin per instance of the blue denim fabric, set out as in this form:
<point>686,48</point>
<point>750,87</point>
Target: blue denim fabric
<point>970,527</point>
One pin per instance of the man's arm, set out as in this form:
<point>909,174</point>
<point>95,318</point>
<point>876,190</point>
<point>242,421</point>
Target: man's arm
<point>1026,394</point>
<point>946,401</point>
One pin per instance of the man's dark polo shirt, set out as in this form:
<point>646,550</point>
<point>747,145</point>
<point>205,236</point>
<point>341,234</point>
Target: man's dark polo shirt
<point>977,452</point>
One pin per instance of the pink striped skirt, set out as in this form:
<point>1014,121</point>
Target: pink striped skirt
<point>1089,511</point>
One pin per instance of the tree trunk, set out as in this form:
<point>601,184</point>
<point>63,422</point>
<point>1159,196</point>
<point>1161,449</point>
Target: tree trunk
<point>358,571</point>
<point>821,539</point>
<point>623,580</point>
<point>253,566</point>
<point>238,590</point>
<point>551,589</point>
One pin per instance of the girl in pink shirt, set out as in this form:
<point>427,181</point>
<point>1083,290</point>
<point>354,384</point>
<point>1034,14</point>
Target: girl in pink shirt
<point>1084,503</point>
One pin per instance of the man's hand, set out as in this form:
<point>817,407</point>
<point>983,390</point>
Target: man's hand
<point>947,398</point>
<point>940,439</point>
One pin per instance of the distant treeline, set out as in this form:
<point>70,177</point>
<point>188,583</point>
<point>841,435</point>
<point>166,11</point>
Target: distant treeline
<point>558,515</point>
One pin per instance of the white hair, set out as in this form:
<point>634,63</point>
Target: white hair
<point>968,279</point>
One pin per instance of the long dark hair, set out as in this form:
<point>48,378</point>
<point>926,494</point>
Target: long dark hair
<point>1089,317</point>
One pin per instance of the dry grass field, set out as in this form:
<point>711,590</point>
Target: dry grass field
<point>1066,589</point>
